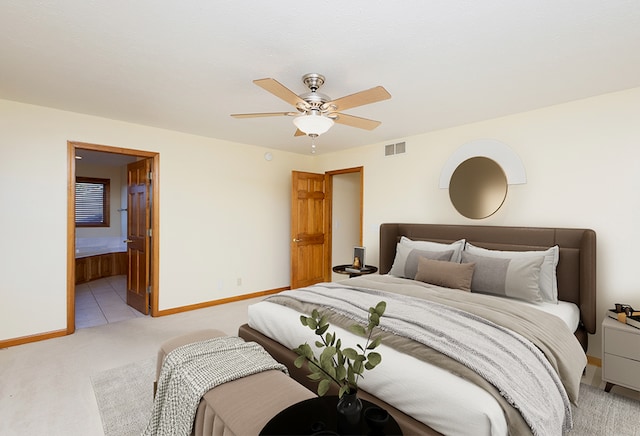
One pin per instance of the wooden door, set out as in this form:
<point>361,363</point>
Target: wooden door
<point>138,234</point>
<point>308,234</point>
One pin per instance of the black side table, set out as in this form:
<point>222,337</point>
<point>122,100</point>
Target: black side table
<point>367,269</point>
<point>318,415</point>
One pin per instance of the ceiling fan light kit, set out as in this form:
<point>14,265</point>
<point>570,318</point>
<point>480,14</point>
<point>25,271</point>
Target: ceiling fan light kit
<point>313,124</point>
<point>317,112</point>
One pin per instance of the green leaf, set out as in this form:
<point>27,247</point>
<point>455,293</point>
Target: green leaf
<point>380,308</point>
<point>358,330</point>
<point>319,344</point>
<point>312,323</point>
<point>374,358</point>
<point>321,330</point>
<point>300,360</point>
<point>323,387</point>
<point>323,321</point>
<point>303,319</point>
<point>327,354</point>
<point>343,389</point>
<point>329,338</point>
<point>374,343</point>
<point>315,376</point>
<point>351,377</point>
<point>374,318</point>
<point>305,350</point>
<point>350,353</point>
<point>341,373</point>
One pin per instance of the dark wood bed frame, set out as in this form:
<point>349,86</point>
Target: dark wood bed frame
<point>576,274</point>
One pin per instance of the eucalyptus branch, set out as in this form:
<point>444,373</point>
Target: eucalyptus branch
<point>334,365</point>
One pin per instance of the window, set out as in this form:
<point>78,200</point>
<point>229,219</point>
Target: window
<point>92,202</point>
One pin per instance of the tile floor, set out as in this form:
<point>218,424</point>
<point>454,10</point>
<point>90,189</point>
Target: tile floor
<point>103,301</point>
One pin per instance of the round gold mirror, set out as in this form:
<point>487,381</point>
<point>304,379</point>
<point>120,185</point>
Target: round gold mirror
<point>478,187</point>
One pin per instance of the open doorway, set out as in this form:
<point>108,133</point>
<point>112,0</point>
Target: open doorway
<point>112,265</point>
<point>346,218</point>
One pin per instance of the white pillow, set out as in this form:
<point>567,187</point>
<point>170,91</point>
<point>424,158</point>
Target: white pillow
<point>405,263</point>
<point>457,247</point>
<point>548,279</point>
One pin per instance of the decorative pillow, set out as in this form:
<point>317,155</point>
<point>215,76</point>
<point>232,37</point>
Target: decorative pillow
<point>457,246</point>
<point>548,280</point>
<point>516,278</point>
<point>448,274</point>
<point>405,263</point>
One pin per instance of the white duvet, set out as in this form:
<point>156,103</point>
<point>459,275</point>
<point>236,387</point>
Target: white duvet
<point>455,407</point>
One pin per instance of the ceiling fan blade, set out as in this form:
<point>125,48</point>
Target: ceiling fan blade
<point>299,133</point>
<point>353,121</point>
<point>280,91</point>
<point>265,114</point>
<point>360,98</point>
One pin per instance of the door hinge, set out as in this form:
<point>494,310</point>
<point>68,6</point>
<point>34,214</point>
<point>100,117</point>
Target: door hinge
<point>149,290</point>
<point>149,233</point>
<point>149,175</point>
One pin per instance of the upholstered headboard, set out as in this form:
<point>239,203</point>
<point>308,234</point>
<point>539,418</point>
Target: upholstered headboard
<point>576,269</point>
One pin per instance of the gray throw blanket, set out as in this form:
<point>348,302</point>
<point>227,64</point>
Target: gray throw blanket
<point>188,372</point>
<point>515,366</point>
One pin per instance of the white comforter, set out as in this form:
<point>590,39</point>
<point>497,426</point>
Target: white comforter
<point>409,392</point>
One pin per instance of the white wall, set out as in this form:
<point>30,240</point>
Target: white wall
<point>224,213</point>
<point>583,167</point>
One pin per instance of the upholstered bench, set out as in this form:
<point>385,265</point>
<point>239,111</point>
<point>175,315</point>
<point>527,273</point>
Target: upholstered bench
<point>243,406</point>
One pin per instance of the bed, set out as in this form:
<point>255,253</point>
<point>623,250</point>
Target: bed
<point>433,396</point>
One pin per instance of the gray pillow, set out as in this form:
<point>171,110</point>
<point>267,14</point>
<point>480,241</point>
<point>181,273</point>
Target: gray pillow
<point>405,263</point>
<point>515,277</point>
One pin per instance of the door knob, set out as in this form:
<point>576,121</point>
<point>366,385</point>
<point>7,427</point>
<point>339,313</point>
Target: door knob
<point>296,240</point>
<point>127,240</point>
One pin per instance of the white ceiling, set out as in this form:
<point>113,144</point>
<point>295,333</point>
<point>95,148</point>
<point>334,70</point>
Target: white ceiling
<point>187,65</point>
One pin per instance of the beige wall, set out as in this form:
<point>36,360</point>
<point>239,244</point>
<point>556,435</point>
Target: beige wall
<point>583,167</point>
<point>225,210</point>
<point>117,179</point>
<point>224,213</point>
<point>346,219</point>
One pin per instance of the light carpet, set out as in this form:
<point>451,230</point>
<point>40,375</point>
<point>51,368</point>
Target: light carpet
<point>125,397</point>
<point>601,413</point>
<point>125,400</point>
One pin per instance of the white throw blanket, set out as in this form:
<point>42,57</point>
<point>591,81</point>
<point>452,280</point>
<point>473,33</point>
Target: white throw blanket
<point>505,359</point>
<point>188,372</point>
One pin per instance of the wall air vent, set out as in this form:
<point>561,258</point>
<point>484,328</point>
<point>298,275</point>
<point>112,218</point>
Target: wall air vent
<point>391,149</point>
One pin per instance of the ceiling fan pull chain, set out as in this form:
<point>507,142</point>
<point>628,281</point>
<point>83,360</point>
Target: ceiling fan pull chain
<point>313,143</point>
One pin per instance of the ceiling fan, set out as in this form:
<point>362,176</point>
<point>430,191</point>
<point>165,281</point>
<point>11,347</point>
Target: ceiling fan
<point>316,112</point>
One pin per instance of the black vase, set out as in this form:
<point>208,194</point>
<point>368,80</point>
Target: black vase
<point>349,410</point>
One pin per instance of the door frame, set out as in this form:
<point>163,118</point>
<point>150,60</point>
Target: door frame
<point>72,146</point>
<point>329,211</point>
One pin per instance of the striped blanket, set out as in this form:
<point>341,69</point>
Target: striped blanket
<point>514,365</point>
<point>188,372</point>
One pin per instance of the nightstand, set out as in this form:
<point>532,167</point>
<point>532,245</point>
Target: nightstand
<point>620,354</point>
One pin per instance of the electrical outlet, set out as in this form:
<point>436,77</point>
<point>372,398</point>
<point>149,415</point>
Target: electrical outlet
<point>239,281</point>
